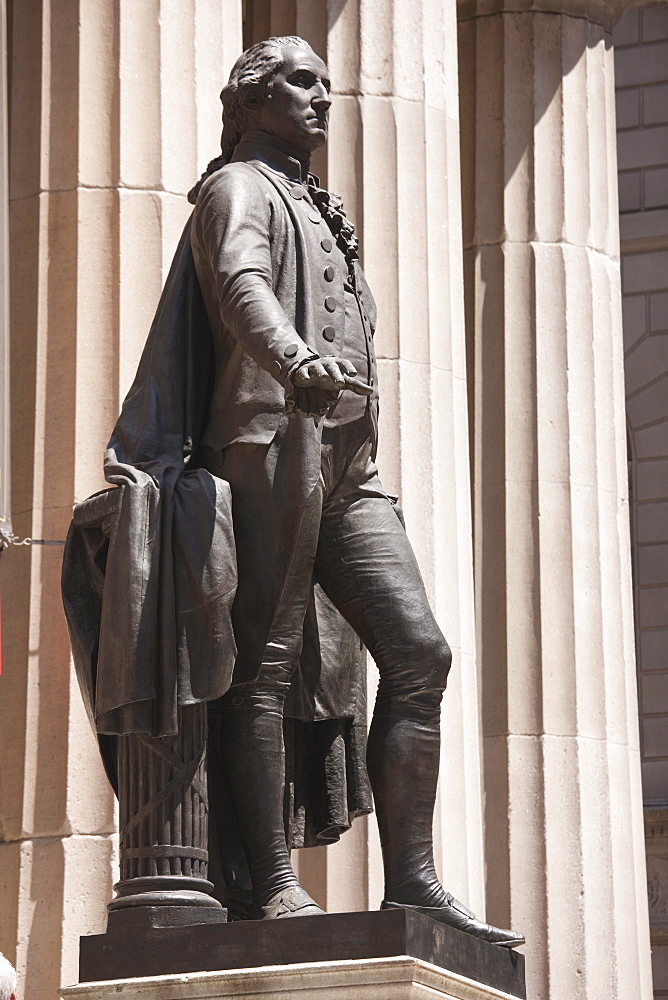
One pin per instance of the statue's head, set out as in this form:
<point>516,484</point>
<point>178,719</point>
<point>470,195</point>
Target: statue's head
<point>281,87</point>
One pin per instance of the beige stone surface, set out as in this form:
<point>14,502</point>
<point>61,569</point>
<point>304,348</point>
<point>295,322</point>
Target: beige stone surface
<point>114,114</point>
<point>599,12</point>
<point>56,885</point>
<point>563,819</point>
<point>399,978</point>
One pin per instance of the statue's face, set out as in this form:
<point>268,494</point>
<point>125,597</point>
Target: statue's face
<point>296,107</point>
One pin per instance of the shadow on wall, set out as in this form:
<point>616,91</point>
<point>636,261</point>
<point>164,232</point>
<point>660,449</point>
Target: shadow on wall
<point>42,970</point>
<point>537,128</point>
<point>512,69</point>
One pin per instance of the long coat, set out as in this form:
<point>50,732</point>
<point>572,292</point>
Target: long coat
<point>149,572</point>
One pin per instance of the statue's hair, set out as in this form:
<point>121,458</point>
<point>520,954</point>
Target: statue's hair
<point>249,81</point>
<point>7,978</point>
<point>248,84</point>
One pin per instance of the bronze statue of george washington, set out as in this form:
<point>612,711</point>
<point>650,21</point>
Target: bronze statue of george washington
<point>256,554</point>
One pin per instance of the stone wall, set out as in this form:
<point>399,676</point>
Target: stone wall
<point>641,66</point>
<point>113,113</point>
<point>554,616</point>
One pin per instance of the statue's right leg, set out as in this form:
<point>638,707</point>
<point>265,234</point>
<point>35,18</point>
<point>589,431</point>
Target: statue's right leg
<point>251,744</point>
<point>275,558</point>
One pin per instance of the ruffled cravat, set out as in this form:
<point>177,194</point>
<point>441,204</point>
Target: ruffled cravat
<point>330,207</point>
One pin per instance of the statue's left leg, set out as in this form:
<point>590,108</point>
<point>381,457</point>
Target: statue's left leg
<point>367,567</point>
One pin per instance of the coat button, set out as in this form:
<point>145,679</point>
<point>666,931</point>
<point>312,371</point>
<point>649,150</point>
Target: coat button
<point>326,244</point>
<point>290,351</point>
<point>329,333</point>
<point>297,192</point>
<point>330,303</point>
<point>329,272</point>
<point>315,215</point>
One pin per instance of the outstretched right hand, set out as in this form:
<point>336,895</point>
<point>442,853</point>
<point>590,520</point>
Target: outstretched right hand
<point>330,373</point>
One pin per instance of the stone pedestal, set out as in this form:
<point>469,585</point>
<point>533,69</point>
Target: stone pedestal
<point>400,978</point>
<point>335,939</point>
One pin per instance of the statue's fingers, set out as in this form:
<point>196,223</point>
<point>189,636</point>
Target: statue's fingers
<point>347,367</point>
<point>334,373</point>
<point>318,371</point>
<point>310,373</point>
<point>359,387</point>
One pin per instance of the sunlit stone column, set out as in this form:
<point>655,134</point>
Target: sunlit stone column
<point>393,154</point>
<point>114,113</point>
<point>564,840</point>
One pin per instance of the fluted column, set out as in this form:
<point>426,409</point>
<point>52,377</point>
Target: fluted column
<point>163,801</point>
<point>563,819</point>
<point>393,154</point>
<point>114,113</point>
<point>164,829</point>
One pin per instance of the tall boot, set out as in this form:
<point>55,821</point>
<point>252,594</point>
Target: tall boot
<point>403,760</point>
<point>252,746</point>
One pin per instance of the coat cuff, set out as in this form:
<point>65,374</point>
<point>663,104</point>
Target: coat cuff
<point>293,356</point>
<point>312,401</point>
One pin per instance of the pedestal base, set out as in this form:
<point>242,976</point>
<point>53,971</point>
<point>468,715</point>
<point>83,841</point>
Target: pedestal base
<point>139,919</point>
<point>334,937</point>
<point>400,978</point>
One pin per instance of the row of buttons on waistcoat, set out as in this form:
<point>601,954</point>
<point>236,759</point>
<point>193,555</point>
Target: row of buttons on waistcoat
<point>329,332</point>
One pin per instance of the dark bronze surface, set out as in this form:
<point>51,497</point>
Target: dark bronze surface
<point>255,583</point>
<point>162,800</point>
<point>164,827</point>
<point>330,938</point>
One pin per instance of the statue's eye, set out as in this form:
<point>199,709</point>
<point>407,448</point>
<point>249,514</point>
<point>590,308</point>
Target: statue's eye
<point>305,80</point>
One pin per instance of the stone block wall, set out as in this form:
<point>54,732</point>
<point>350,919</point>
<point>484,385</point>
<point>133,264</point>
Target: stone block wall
<point>641,65</point>
<point>113,113</point>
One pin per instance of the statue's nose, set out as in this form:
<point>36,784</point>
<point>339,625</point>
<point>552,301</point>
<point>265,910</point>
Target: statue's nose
<point>321,98</point>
